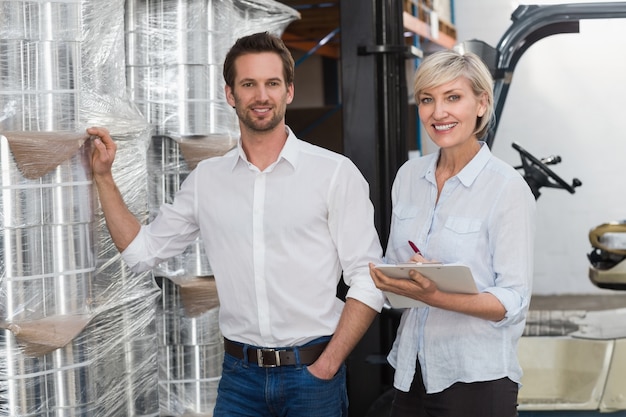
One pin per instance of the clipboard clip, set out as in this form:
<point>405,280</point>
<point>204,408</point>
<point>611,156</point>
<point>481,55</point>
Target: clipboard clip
<point>410,264</point>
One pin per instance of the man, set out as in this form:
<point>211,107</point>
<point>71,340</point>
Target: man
<point>281,219</point>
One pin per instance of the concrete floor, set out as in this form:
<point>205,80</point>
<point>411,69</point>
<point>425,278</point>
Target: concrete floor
<point>579,302</point>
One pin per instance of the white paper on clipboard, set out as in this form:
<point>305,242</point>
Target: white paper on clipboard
<point>448,277</point>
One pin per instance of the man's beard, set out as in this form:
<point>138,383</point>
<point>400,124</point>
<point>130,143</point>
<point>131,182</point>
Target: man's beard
<point>246,117</point>
<point>254,124</point>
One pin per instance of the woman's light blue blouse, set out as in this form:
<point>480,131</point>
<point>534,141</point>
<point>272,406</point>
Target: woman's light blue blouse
<point>485,218</point>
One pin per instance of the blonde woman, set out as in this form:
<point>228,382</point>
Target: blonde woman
<point>457,357</point>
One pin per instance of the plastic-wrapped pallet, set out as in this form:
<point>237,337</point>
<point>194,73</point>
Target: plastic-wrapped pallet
<point>78,330</point>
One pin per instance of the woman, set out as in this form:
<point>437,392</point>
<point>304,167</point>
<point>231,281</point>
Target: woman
<point>458,356</point>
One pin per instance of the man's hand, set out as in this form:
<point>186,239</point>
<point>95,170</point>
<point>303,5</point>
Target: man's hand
<point>122,224</point>
<point>104,153</point>
<point>354,322</point>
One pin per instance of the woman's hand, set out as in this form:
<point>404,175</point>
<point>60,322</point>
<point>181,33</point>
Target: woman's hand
<point>417,287</point>
<point>483,305</point>
<point>418,258</point>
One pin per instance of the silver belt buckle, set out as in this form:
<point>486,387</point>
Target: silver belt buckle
<point>259,357</point>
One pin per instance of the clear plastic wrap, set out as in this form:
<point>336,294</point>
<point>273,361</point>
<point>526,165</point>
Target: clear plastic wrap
<point>78,330</point>
<point>80,334</point>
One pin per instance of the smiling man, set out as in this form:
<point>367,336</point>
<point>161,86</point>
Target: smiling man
<point>281,221</point>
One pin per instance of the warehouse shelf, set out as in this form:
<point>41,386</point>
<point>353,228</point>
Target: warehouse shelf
<point>319,18</point>
<point>424,30</point>
<point>418,18</point>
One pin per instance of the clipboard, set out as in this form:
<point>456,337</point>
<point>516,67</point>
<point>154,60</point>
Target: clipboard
<point>454,278</point>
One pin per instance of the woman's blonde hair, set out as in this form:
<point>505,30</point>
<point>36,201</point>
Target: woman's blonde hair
<point>441,67</point>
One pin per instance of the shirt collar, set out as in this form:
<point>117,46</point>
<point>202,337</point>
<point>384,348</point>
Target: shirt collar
<point>289,152</point>
<point>469,173</point>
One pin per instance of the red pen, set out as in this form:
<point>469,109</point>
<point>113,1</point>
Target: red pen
<point>415,248</point>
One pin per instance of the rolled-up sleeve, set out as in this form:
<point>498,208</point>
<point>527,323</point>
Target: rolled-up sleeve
<point>351,222</point>
<point>515,304</point>
<point>513,228</point>
<point>174,228</point>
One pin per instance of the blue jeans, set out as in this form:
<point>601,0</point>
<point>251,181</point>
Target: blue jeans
<point>247,390</point>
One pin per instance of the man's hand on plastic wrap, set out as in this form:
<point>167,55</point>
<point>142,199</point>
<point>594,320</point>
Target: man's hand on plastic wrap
<point>104,153</point>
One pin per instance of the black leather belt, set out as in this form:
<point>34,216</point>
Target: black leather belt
<point>271,358</point>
